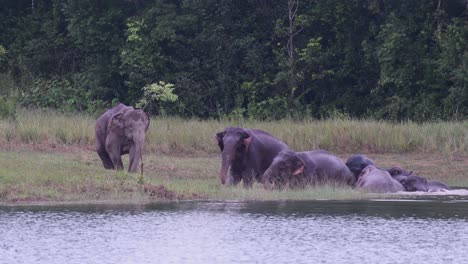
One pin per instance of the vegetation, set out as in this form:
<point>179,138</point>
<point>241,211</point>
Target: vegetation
<point>170,135</point>
<point>388,60</point>
<point>344,75</point>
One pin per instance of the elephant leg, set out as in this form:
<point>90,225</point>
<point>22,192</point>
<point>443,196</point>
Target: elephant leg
<point>247,179</point>
<point>135,155</point>
<point>114,154</point>
<point>117,160</point>
<point>234,178</point>
<point>106,160</point>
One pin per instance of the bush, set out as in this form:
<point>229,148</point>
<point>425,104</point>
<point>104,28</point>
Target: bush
<point>61,94</point>
<point>7,107</point>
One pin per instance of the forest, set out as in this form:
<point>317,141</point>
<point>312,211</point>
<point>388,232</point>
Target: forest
<point>392,60</point>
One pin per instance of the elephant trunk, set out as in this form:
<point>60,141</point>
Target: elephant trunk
<point>226,162</point>
<point>266,179</point>
<point>136,153</point>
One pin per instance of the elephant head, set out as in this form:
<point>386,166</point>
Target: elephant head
<point>234,144</point>
<point>415,183</point>
<point>286,169</point>
<point>398,173</point>
<point>357,162</point>
<point>126,134</point>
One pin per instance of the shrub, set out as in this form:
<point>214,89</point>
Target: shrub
<point>7,107</point>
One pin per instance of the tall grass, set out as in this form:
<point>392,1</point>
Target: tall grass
<point>177,135</point>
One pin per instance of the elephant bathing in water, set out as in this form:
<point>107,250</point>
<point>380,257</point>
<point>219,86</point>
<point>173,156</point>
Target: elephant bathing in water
<point>373,179</point>
<point>415,183</point>
<point>248,152</point>
<point>121,130</point>
<point>298,169</point>
<point>356,164</point>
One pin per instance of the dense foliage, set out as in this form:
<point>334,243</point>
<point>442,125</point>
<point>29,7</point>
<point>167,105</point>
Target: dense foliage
<point>395,59</point>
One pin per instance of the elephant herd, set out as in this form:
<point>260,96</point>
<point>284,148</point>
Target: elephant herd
<point>253,155</point>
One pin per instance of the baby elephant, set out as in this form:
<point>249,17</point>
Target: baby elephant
<point>373,179</point>
<point>298,169</point>
<point>415,183</point>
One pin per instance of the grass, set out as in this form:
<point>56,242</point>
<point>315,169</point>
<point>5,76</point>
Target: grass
<point>50,177</point>
<point>175,135</point>
<point>181,161</point>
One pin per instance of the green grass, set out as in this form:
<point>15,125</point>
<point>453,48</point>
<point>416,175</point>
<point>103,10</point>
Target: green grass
<point>175,135</point>
<point>37,177</point>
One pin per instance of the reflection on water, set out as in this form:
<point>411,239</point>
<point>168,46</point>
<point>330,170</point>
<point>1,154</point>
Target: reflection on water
<point>262,232</point>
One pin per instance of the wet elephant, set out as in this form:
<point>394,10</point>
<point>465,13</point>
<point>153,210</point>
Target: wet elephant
<point>415,183</point>
<point>247,152</point>
<point>357,162</point>
<point>373,179</point>
<point>298,169</point>
<point>398,173</point>
<point>121,130</point>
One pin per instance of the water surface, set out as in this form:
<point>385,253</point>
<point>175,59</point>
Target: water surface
<point>244,232</point>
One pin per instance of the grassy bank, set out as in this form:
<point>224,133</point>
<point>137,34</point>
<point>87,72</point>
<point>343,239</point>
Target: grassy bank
<point>78,176</point>
<point>175,135</point>
<point>181,161</point>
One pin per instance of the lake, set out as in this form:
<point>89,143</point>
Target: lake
<point>410,231</point>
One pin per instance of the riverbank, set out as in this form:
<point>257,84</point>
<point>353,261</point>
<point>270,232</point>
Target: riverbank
<point>75,175</point>
<point>48,157</point>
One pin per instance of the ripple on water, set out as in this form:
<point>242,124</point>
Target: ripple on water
<point>279,232</point>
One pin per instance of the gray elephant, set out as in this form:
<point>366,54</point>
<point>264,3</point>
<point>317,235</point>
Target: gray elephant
<point>298,169</point>
<point>398,173</point>
<point>121,130</point>
<point>415,183</point>
<point>248,152</point>
<point>373,179</point>
<point>357,162</point>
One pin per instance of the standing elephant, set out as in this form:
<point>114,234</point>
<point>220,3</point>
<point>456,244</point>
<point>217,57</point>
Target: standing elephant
<point>373,179</point>
<point>249,152</point>
<point>415,183</point>
<point>297,169</point>
<point>121,130</point>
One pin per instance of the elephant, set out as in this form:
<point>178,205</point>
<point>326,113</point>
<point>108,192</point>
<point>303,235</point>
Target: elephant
<point>398,173</point>
<point>357,162</point>
<point>248,152</point>
<point>415,183</point>
<point>298,169</point>
<point>121,130</point>
<point>373,179</point>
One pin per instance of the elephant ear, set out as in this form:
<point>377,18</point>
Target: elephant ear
<point>219,140</point>
<point>395,171</point>
<point>116,123</point>
<point>246,138</point>
<point>300,164</point>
